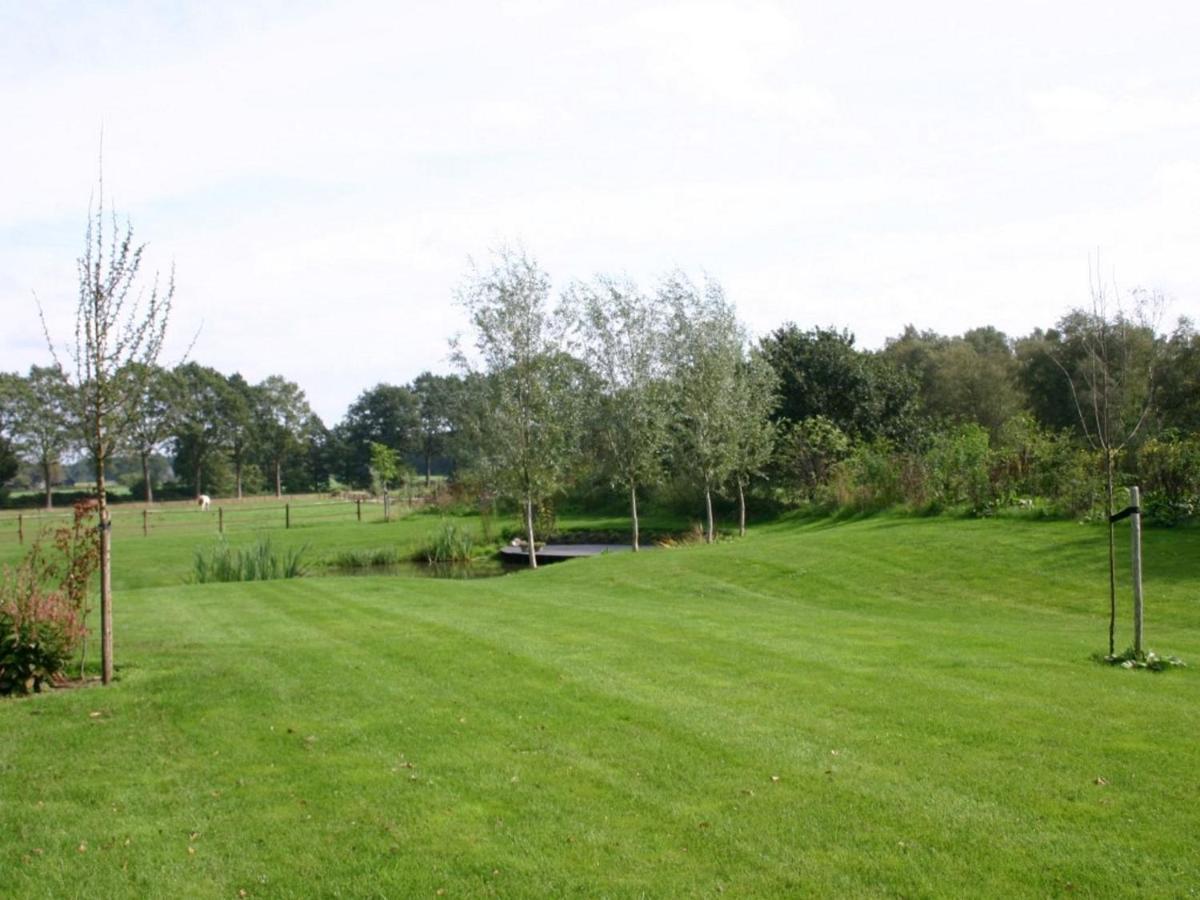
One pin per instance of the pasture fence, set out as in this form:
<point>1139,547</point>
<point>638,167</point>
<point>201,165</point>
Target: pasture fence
<point>179,517</point>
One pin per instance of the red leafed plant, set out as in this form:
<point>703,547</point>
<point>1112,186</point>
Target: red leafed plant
<point>44,606</point>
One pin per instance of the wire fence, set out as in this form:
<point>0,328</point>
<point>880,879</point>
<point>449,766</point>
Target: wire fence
<point>249,514</point>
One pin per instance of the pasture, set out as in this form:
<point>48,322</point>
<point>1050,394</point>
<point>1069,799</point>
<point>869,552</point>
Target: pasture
<point>890,706</point>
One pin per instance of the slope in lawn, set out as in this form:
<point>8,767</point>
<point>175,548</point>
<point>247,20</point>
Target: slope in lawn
<point>893,706</point>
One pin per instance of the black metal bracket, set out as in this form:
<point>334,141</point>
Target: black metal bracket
<point>1125,513</point>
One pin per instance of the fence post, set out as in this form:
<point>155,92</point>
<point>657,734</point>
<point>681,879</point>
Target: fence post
<point>287,515</point>
<point>358,503</point>
<point>221,519</point>
<point>1135,560</point>
<point>145,522</point>
<point>21,528</point>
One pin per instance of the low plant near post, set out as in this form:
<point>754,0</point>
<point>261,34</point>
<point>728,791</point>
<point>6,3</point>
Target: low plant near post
<point>44,607</point>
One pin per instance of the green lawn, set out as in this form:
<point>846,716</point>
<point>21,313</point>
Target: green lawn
<point>891,706</point>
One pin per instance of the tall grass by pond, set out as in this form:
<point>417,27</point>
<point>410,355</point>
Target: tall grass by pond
<point>453,544</point>
<point>258,562</point>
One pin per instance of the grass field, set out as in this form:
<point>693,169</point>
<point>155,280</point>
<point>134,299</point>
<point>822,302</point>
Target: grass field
<point>890,706</point>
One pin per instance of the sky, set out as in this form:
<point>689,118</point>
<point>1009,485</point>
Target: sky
<point>319,174</point>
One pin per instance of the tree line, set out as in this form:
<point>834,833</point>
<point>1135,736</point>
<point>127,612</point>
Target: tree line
<point>661,394</point>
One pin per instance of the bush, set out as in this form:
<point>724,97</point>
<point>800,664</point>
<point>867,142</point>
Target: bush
<point>259,562</point>
<point>40,629</point>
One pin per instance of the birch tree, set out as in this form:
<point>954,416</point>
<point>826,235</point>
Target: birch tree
<point>120,320</point>
<point>620,333</point>
<point>705,343</point>
<point>527,410</point>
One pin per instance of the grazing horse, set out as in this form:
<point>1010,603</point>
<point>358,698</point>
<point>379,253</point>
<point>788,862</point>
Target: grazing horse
<point>204,501</point>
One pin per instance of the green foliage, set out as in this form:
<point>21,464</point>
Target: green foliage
<point>365,558</point>
<point>452,544</point>
<point>806,453</point>
<point>385,466</point>
<point>259,562</point>
<point>43,607</point>
<point>957,464</point>
<point>1168,467</point>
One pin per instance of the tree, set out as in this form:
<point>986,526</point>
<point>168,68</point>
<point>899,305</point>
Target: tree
<point>282,417</point>
<point>822,373</point>
<point>435,400</point>
<point>151,416</point>
<point>238,402</point>
<point>704,347</point>
<point>753,431</point>
<point>43,421</point>
<point>385,465</point>
<point>118,321</point>
<point>385,414</point>
<point>8,463</point>
<point>526,412</point>
<point>621,333</point>
<point>199,431</point>
<point>1110,370</point>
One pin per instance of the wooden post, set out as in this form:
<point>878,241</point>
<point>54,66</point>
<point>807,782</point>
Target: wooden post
<point>21,528</point>
<point>358,504</point>
<point>145,522</point>
<point>221,519</point>
<point>1135,561</point>
<point>287,515</point>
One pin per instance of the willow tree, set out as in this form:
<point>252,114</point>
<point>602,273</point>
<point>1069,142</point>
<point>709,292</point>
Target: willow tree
<point>527,399</point>
<point>705,344</point>
<point>120,323</point>
<point>620,332</point>
<point>754,433</point>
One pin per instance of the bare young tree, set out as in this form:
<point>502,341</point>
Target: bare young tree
<point>120,324</point>
<point>1108,356</point>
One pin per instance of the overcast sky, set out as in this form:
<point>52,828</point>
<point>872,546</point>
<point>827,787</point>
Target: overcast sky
<point>320,172</point>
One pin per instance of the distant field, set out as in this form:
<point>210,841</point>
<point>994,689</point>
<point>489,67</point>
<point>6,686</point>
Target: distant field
<point>890,706</point>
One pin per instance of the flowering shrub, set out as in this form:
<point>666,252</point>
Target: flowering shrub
<point>43,606</point>
<point>40,630</point>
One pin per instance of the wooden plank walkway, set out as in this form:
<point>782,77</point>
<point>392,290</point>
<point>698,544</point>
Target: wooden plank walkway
<point>559,552</point>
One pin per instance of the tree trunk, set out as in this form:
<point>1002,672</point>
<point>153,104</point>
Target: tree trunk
<point>529,531</point>
<point>1112,555</point>
<point>428,467</point>
<point>146,478</point>
<point>237,475</point>
<point>741,510</point>
<point>633,514</point>
<point>105,526</point>
<point>49,492</point>
<point>708,534</point>
<point>278,479</point>
<point>199,490</point>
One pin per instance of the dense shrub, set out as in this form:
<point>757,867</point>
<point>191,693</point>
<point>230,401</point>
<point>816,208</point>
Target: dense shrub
<point>1168,467</point>
<point>958,467</point>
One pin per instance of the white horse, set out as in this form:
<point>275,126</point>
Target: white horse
<point>204,501</point>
